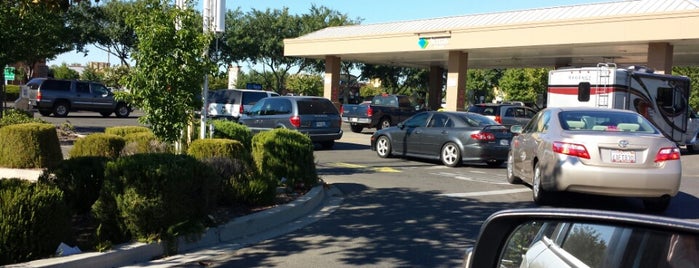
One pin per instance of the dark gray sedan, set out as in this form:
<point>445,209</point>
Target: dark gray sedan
<point>452,137</point>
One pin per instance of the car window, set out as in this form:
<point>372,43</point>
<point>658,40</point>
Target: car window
<point>82,87</point>
<point>250,97</point>
<point>316,106</point>
<point>99,89</point>
<point>257,108</point>
<point>418,120</point>
<point>438,120</point>
<point>475,120</point>
<point>532,125</point>
<point>276,106</point>
<point>604,121</point>
<point>58,85</point>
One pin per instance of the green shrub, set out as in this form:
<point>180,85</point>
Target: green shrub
<point>11,92</point>
<point>143,142</point>
<point>231,130</point>
<point>98,144</point>
<point>79,178</point>
<point>256,191</point>
<point>14,116</point>
<point>285,156</point>
<point>125,130</point>
<point>207,148</point>
<point>155,196</point>
<point>34,220</point>
<point>29,145</point>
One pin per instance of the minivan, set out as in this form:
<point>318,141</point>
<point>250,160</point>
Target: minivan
<point>231,103</point>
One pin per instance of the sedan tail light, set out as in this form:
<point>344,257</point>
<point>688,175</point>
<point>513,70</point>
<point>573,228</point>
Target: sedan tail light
<point>295,121</point>
<point>572,149</point>
<point>498,119</point>
<point>667,153</point>
<point>369,111</point>
<point>241,110</point>
<point>38,96</point>
<point>483,136</point>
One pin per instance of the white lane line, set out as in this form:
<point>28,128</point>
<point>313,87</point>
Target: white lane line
<point>463,178</point>
<point>486,193</point>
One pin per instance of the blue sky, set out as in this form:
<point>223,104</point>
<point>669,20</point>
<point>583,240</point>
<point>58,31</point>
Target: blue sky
<point>370,11</point>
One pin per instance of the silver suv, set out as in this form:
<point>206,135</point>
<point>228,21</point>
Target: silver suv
<point>59,97</point>
<point>231,103</point>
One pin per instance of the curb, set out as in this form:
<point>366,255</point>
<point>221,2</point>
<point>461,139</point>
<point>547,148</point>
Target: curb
<point>237,229</point>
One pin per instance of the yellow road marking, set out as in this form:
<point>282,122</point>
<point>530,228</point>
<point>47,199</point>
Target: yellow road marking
<point>376,169</point>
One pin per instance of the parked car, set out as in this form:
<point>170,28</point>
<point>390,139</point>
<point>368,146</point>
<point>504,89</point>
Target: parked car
<point>452,137</point>
<point>382,111</point>
<point>595,151</point>
<point>316,117</point>
<point>59,97</point>
<point>504,113</point>
<point>560,238</point>
<point>231,103</point>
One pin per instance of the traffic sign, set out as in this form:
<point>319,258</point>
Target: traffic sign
<point>9,73</point>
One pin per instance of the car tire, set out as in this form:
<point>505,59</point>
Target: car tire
<point>122,110</point>
<point>356,128</point>
<point>106,114</point>
<point>450,155</point>
<point>61,109</point>
<point>657,205</point>
<point>511,178</point>
<point>383,147</point>
<point>327,145</point>
<point>540,196</point>
<point>384,123</point>
<point>45,112</point>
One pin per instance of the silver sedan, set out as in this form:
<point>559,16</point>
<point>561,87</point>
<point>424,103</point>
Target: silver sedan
<point>596,151</point>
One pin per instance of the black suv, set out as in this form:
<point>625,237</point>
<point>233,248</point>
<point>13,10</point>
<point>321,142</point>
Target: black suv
<point>62,96</point>
<point>504,113</point>
<point>316,117</point>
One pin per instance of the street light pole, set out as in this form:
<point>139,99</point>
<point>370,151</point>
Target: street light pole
<point>214,14</point>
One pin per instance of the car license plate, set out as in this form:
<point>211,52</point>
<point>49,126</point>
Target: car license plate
<point>321,124</point>
<point>623,156</point>
<point>504,142</point>
<point>353,119</point>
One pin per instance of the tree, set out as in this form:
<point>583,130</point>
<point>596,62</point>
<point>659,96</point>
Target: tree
<point>480,83</point>
<point>305,84</point>
<point>92,74</point>
<point>398,80</point>
<point>693,73</point>
<point>169,65</point>
<point>63,72</point>
<point>524,84</point>
<point>116,77</point>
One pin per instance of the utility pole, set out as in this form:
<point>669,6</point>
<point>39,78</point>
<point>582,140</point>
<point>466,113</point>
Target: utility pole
<point>214,21</point>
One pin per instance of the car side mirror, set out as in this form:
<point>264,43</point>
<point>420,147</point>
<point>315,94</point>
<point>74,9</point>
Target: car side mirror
<point>516,129</point>
<point>401,125</point>
<point>562,237</point>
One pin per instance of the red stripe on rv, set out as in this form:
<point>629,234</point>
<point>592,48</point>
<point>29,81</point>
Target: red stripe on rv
<point>573,90</point>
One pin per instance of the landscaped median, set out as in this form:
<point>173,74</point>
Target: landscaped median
<point>237,229</point>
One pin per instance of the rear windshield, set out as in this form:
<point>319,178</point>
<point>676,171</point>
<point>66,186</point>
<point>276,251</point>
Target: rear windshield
<point>482,109</point>
<point>476,120</point>
<point>316,106</point>
<point>604,121</point>
<point>250,98</point>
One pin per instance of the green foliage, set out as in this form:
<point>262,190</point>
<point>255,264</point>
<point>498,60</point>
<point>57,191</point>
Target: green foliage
<point>109,30</point>
<point>155,196</point>
<point>524,84</point>
<point>116,77</point>
<point>369,91</point>
<point>207,148</point>
<point>79,178</point>
<point>92,74</point>
<point>11,92</point>
<point>98,144</point>
<point>260,191</point>
<point>226,129</point>
<point>34,219</point>
<point>285,156</point>
<point>305,84</point>
<point>693,73</point>
<point>481,83</point>
<point>63,72</point>
<point>143,142</point>
<point>14,116</point>
<point>166,79</point>
<point>125,130</point>
<point>29,145</point>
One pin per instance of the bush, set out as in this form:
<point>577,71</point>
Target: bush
<point>154,196</point>
<point>11,92</point>
<point>231,130</point>
<point>98,144</point>
<point>143,142</point>
<point>80,179</point>
<point>34,220</point>
<point>29,145</point>
<point>285,156</point>
<point>15,116</point>
<point>207,148</point>
<point>125,130</point>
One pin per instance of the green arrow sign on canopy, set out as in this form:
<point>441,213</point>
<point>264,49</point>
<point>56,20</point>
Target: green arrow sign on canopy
<point>9,73</point>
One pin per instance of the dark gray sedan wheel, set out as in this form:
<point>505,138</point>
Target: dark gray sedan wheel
<point>511,178</point>
<point>451,155</point>
<point>383,147</point>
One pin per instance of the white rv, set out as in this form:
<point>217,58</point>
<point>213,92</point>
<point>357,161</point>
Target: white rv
<point>662,99</point>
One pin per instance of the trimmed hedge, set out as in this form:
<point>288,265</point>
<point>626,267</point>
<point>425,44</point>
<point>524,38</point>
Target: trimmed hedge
<point>143,142</point>
<point>34,220</point>
<point>29,145</point>
<point>79,178</point>
<point>98,144</point>
<point>208,148</point>
<point>125,130</point>
<point>231,130</point>
<point>11,92</point>
<point>14,116</point>
<point>154,196</point>
<point>285,156</point>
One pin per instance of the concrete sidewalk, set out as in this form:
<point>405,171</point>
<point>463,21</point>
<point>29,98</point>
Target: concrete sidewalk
<point>240,231</point>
